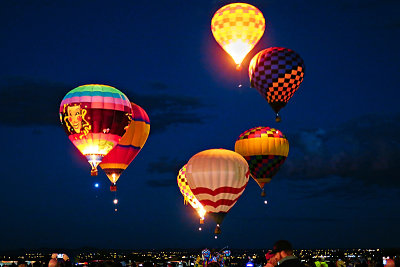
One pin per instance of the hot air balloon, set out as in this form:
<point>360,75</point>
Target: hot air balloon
<point>265,150</point>
<point>217,178</point>
<point>128,147</point>
<point>237,28</point>
<point>276,73</point>
<point>188,195</point>
<point>95,117</point>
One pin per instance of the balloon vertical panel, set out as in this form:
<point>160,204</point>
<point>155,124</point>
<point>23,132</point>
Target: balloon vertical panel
<point>129,146</point>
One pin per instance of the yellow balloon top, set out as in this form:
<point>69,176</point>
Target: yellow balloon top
<point>237,28</point>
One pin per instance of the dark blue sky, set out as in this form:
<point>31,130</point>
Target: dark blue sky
<point>338,188</point>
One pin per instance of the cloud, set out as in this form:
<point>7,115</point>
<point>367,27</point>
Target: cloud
<point>165,166</point>
<point>28,102</point>
<point>365,148</point>
<point>342,188</point>
<point>167,110</point>
<point>25,101</point>
<point>162,183</point>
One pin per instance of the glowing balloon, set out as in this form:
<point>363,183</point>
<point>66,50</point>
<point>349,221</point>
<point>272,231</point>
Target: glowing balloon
<point>188,195</point>
<point>128,147</point>
<point>276,73</point>
<point>217,178</point>
<point>265,150</point>
<point>95,118</point>
<point>237,28</point>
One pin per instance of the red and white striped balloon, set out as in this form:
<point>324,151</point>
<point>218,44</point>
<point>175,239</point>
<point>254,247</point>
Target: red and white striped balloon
<point>217,177</point>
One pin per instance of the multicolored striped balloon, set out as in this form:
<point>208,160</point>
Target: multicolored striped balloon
<point>119,158</point>
<point>95,117</point>
<point>188,195</point>
<point>237,28</point>
<point>217,178</point>
<point>276,73</point>
<point>265,150</point>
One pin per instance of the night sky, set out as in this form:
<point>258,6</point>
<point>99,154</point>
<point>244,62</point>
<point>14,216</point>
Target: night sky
<point>339,186</point>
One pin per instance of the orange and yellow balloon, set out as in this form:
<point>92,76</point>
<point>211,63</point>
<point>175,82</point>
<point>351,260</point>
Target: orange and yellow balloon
<point>237,28</point>
<point>128,147</point>
<point>188,194</point>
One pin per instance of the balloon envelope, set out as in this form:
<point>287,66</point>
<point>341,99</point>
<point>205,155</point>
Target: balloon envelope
<point>265,150</point>
<point>217,177</point>
<point>129,146</point>
<point>95,118</point>
<point>237,28</point>
<point>276,73</point>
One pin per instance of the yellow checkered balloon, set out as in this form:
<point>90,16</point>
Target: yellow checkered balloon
<point>237,28</point>
<point>188,194</point>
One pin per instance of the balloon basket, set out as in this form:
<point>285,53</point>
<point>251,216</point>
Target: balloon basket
<point>93,172</point>
<point>217,230</point>
<point>263,193</point>
<point>113,188</point>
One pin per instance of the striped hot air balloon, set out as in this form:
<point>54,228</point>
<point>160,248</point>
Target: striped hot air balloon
<point>95,117</point>
<point>265,150</point>
<point>128,147</point>
<point>237,28</point>
<point>188,194</point>
<point>217,178</point>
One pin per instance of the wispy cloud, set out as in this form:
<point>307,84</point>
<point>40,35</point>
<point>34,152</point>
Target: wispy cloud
<point>365,148</point>
<point>162,183</point>
<point>165,165</point>
<point>26,101</point>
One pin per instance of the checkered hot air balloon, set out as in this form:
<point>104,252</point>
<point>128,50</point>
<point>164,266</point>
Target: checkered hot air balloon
<point>276,73</point>
<point>95,117</point>
<point>265,150</point>
<point>128,147</point>
<point>217,178</point>
<point>237,28</point>
<point>188,195</point>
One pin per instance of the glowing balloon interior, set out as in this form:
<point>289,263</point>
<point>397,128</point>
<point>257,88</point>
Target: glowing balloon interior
<point>237,28</point>
<point>95,118</point>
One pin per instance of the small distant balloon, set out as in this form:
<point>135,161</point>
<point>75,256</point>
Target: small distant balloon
<point>115,201</point>
<point>265,202</point>
<point>96,185</point>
